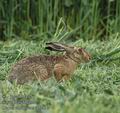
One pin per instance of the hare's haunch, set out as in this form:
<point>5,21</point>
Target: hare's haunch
<point>44,66</point>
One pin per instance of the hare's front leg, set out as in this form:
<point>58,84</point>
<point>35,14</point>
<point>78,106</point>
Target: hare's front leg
<point>60,72</point>
<point>66,77</point>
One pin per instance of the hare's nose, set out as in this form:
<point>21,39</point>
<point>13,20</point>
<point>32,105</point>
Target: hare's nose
<point>88,57</point>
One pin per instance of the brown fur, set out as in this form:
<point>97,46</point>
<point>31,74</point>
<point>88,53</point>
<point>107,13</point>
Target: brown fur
<point>43,67</point>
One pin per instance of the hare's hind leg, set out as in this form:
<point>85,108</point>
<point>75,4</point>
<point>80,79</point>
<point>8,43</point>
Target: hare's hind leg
<point>40,72</point>
<point>60,72</point>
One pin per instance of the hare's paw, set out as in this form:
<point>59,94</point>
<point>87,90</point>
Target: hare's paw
<point>66,77</point>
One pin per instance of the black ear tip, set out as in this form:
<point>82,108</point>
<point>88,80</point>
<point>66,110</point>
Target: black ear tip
<point>48,48</point>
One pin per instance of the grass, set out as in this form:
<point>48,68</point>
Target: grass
<point>92,89</point>
<point>96,19</point>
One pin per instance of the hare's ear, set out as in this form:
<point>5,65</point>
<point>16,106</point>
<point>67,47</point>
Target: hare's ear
<point>54,46</point>
<point>59,47</point>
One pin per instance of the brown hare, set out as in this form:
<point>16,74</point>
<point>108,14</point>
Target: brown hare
<point>44,66</point>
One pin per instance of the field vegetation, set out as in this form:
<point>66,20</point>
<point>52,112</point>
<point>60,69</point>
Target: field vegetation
<point>25,27</point>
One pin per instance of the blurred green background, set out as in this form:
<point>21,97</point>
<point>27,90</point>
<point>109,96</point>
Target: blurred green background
<point>38,19</point>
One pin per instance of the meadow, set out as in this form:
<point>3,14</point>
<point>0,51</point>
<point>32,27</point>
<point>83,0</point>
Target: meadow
<point>25,27</point>
<point>93,88</point>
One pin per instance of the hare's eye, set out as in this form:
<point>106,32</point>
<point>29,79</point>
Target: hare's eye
<point>80,50</point>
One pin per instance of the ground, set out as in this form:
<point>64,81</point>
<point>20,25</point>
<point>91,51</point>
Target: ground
<point>93,88</point>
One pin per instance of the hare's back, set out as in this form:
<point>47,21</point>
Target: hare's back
<point>30,68</point>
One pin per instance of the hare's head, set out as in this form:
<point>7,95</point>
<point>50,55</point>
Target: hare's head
<point>75,53</point>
